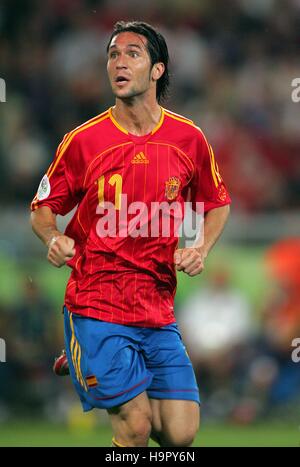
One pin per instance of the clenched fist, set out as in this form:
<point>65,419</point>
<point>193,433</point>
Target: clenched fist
<point>189,260</point>
<point>60,250</point>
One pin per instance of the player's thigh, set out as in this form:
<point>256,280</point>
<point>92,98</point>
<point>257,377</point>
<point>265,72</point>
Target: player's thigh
<point>132,420</point>
<point>166,358</point>
<point>175,422</point>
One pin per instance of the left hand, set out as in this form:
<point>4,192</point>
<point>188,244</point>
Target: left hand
<point>189,260</point>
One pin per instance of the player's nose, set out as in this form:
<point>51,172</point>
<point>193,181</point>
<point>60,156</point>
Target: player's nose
<point>121,65</point>
<point>121,62</point>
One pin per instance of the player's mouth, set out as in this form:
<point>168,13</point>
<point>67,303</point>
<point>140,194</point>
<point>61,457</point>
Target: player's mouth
<point>121,80</point>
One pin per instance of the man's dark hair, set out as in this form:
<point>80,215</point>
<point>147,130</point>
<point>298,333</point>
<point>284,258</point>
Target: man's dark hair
<point>157,49</point>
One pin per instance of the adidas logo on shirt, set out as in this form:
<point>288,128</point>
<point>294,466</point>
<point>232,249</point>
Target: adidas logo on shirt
<point>140,158</point>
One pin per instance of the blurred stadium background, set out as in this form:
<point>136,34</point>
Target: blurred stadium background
<point>232,64</point>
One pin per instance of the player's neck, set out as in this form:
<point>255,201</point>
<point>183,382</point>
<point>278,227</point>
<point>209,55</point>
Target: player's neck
<point>138,118</point>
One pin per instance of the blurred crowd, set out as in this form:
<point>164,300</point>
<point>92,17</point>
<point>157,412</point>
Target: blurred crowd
<point>232,65</point>
<point>244,366</point>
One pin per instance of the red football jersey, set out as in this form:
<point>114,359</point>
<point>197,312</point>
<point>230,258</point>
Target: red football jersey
<point>127,279</point>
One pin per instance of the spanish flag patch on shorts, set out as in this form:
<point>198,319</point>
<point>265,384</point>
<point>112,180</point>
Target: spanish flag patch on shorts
<point>91,381</point>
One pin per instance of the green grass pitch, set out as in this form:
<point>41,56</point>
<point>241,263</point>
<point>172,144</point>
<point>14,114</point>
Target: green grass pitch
<point>43,434</point>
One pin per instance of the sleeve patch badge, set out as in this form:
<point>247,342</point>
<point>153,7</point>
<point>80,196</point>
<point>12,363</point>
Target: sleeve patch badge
<point>222,194</point>
<point>44,188</point>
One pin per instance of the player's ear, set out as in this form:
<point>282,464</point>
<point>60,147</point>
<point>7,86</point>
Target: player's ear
<point>157,71</point>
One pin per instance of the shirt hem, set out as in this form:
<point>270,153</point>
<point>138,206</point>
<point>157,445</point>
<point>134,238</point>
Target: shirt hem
<point>88,313</point>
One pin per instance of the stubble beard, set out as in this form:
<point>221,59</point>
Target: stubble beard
<point>130,97</point>
<point>132,94</point>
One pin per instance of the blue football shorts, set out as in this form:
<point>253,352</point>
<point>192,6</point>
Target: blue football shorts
<point>111,364</point>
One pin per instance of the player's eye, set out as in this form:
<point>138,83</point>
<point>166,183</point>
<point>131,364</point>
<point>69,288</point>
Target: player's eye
<point>113,55</point>
<point>133,54</point>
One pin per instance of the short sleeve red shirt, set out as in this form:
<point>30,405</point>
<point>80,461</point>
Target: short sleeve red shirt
<point>127,279</point>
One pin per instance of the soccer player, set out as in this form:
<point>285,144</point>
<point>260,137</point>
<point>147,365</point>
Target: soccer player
<point>123,346</point>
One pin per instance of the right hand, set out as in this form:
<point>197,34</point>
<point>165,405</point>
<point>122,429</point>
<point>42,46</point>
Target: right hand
<point>60,250</point>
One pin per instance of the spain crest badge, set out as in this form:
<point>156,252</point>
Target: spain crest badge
<point>172,188</point>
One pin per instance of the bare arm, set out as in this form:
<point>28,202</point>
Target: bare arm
<point>191,260</point>
<point>60,247</point>
<point>214,224</point>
